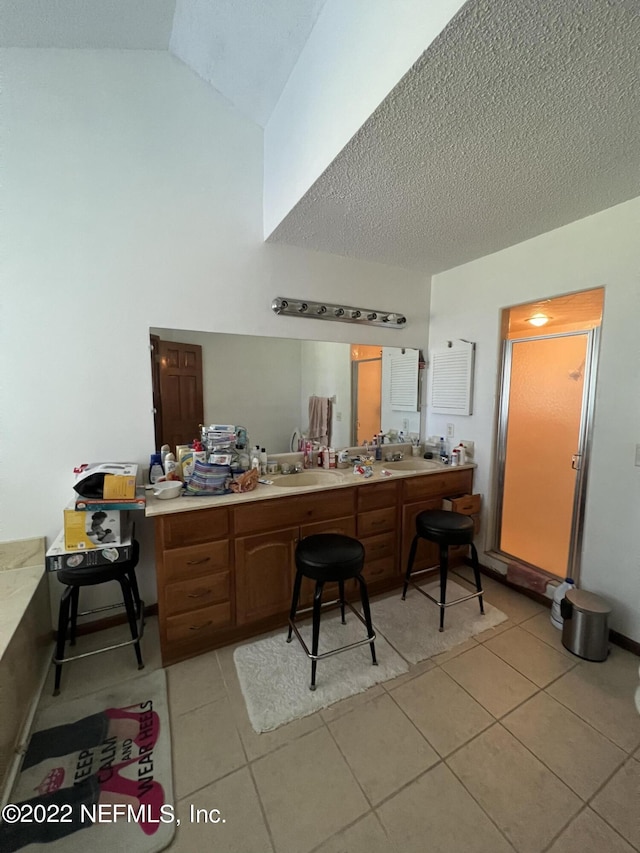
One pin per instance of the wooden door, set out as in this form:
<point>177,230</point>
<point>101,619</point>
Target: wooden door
<point>182,409</point>
<point>264,576</point>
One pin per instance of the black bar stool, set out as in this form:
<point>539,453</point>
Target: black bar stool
<point>445,529</point>
<point>68,614</point>
<point>329,558</point>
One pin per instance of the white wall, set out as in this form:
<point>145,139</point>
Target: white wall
<point>355,55</point>
<point>132,198</point>
<point>466,302</point>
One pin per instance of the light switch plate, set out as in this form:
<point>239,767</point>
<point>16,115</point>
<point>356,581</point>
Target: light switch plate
<point>638,455</point>
<point>451,430</point>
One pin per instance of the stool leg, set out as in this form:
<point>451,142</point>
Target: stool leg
<point>131,613</point>
<point>75,595</point>
<point>444,569</point>
<point>134,590</point>
<point>315,641</point>
<point>366,610</point>
<point>63,621</point>
<point>412,556</point>
<point>294,602</point>
<point>341,593</point>
<point>476,574</point>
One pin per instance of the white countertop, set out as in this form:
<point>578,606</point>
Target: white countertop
<point>21,569</point>
<point>336,478</point>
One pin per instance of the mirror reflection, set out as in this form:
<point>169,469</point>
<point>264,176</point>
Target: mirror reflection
<point>266,385</point>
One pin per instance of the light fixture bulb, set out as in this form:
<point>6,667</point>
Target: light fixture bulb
<point>538,320</point>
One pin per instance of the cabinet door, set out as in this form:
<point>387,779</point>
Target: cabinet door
<point>264,574</point>
<point>428,554</point>
<point>344,526</point>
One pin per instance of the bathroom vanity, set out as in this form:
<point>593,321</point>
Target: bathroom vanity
<point>225,565</point>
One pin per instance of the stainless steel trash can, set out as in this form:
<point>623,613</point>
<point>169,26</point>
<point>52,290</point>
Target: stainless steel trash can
<point>585,630</point>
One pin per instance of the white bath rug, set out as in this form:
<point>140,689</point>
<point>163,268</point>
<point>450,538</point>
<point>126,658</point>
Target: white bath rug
<point>275,675</point>
<point>411,626</point>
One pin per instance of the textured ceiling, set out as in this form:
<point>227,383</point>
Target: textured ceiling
<point>246,49</point>
<point>520,118</point>
<point>125,24</point>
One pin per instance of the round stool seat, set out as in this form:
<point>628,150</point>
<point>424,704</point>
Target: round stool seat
<point>329,557</point>
<point>446,528</point>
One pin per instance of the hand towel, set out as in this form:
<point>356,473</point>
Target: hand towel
<point>320,419</point>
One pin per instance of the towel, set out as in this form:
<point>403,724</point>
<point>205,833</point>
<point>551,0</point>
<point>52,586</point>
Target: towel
<point>320,420</point>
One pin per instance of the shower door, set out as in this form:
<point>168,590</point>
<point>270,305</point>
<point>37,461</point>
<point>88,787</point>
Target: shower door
<point>545,418</point>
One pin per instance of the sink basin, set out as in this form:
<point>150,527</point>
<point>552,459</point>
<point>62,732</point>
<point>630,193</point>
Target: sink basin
<point>412,464</point>
<point>307,478</point>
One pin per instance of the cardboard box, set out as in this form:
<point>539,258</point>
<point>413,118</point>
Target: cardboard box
<point>58,557</point>
<point>465,504</point>
<point>85,530</point>
<point>94,504</point>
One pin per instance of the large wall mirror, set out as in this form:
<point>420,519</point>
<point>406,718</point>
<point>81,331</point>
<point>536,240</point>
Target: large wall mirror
<point>265,384</point>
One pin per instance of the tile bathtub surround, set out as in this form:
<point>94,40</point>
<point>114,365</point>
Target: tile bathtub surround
<point>484,749</point>
<point>21,554</point>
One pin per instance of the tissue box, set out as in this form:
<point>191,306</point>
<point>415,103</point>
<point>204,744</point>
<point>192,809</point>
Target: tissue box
<point>58,557</point>
<point>85,530</point>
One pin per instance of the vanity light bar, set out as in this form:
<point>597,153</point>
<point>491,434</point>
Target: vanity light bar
<point>340,313</point>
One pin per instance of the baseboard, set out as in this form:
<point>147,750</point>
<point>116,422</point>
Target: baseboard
<point>615,637</point>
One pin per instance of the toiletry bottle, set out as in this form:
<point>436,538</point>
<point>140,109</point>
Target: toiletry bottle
<point>379,448</point>
<point>155,468</point>
<point>263,461</point>
<point>455,458</point>
<point>442,449</point>
<point>255,459</point>
<point>462,454</point>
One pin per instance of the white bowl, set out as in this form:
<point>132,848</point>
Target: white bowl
<point>167,489</point>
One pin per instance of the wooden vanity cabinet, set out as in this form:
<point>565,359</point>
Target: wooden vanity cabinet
<point>422,493</point>
<point>225,574</point>
<point>265,564</point>
<point>377,529</point>
<point>195,581</point>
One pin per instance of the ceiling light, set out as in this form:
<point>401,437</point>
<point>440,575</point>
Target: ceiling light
<point>538,319</point>
<point>343,313</point>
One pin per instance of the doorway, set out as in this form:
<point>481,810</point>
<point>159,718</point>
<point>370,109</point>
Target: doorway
<point>546,409</point>
<point>366,392</point>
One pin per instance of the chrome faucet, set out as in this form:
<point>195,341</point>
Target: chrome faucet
<point>298,468</point>
<point>397,457</point>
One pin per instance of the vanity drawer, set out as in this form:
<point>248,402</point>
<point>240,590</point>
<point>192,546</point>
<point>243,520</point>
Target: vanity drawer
<point>303,509</point>
<point>198,625</point>
<point>443,484</point>
<point>185,563</point>
<point>374,496</point>
<point>379,547</point>
<point>198,592</point>
<point>190,528</point>
<point>376,521</point>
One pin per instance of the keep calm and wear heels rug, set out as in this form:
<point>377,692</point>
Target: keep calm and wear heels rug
<point>96,775</point>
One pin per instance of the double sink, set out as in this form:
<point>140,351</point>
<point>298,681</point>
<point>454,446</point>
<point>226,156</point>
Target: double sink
<point>322,478</point>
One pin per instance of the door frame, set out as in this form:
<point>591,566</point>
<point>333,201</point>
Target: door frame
<point>583,450</point>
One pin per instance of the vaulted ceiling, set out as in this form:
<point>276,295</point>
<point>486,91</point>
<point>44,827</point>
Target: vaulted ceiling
<point>519,118</point>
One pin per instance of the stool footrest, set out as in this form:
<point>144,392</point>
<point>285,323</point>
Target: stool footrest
<point>140,632</point>
<point>447,603</point>
<point>328,654</point>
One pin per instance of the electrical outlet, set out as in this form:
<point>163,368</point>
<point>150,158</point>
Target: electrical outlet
<point>405,423</point>
<point>450,430</point>
<point>338,416</point>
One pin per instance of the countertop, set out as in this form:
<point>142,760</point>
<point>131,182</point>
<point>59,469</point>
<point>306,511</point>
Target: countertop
<point>21,569</point>
<point>336,478</point>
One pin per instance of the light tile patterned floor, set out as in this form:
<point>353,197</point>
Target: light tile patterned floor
<point>507,743</point>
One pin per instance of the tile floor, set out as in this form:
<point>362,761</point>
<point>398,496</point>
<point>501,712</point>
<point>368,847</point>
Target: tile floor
<point>506,743</point>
